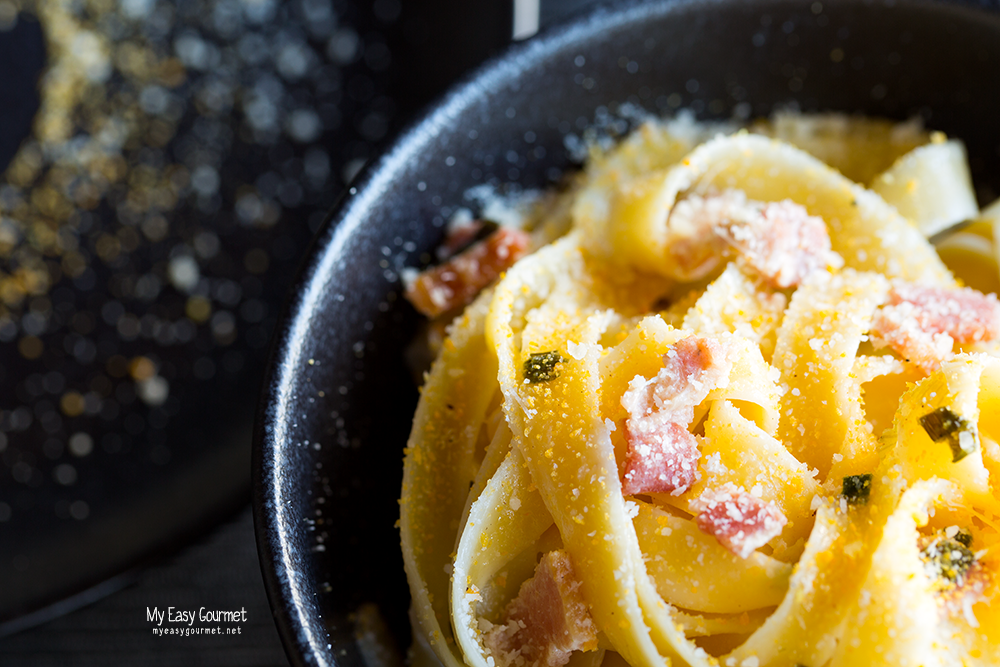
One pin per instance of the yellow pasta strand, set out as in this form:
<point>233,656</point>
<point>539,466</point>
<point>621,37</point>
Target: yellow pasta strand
<point>735,450</point>
<point>692,570</point>
<point>438,470</point>
<point>816,350</point>
<point>895,619</point>
<point>825,582</point>
<point>508,517</point>
<point>734,303</point>
<point>868,233</point>
<point>956,388</point>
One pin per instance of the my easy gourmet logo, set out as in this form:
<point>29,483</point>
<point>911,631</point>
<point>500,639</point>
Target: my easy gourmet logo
<point>176,621</point>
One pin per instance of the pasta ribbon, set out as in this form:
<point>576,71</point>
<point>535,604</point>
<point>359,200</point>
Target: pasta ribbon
<point>931,186</point>
<point>817,345</point>
<point>734,303</point>
<point>439,469</point>
<point>951,393</point>
<point>896,619</point>
<point>571,460</point>
<point>693,571</point>
<point>867,232</point>
<point>826,579</point>
<point>736,450</point>
<point>858,147</point>
<point>508,519</point>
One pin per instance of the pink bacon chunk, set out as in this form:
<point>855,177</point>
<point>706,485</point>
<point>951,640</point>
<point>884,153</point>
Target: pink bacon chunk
<point>781,241</point>
<point>695,248</point>
<point>663,459</point>
<point>547,621</point>
<point>457,282</point>
<point>741,522</point>
<point>662,454</point>
<point>691,369</point>
<point>922,322</point>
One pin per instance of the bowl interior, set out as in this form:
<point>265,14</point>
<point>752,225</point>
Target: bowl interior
<point>339,399</point>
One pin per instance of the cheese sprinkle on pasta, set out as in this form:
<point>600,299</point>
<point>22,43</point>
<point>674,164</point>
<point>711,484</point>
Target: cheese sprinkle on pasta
<point>729,408</point>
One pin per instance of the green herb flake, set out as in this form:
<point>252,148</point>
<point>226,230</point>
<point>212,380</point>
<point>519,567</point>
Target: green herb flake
<point>964,537</point>
<point>948,559</point>
<point>541,367</point>
<point>856,488</point>
<point>943,424</point>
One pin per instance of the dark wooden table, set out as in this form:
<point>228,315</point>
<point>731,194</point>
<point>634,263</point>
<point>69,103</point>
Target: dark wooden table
<point>218,573</point>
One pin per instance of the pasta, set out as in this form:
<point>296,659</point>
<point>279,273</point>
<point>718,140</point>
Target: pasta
<point>725,405</point>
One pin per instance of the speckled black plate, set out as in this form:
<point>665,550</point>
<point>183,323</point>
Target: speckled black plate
<point>338,404</point>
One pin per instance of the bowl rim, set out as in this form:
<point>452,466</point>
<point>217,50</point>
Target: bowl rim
<point>306,641</point>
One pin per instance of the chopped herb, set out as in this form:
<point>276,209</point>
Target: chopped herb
<point>943,424</point>
<point>856,488</point>
<point>963,537</point>
<point>541,367</point>
<point>948,559</point>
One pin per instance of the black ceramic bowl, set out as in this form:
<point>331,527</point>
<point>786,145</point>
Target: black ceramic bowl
<point>338,401</point>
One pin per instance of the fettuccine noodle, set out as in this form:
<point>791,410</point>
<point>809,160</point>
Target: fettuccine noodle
<point>730,407</point>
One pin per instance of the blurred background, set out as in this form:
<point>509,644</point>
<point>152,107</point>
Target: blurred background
<point>163,167</point>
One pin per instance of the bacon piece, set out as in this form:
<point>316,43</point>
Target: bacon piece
<point>781,241</point>
<point>695,248</point>
<point>691,368</point>
<point>457,282</point>
<point>662,455</point>
<point>922,322</point>
<point>547,621</point>
<point>741,522</point>
<point>662,459</point>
